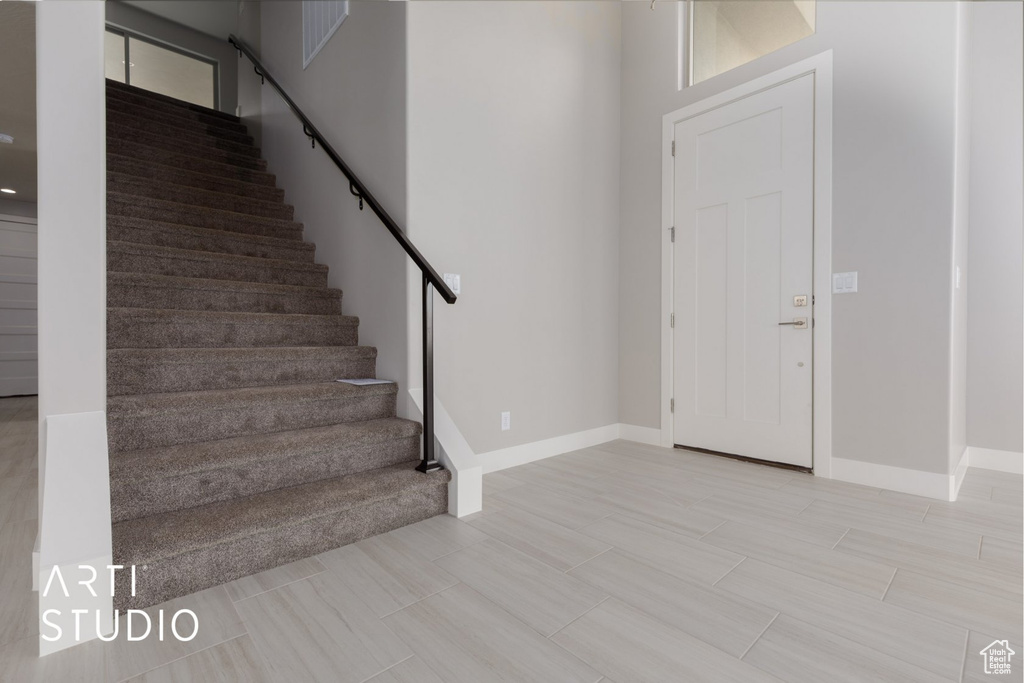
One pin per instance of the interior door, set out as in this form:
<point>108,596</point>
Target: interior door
<point>743,258</point>
<point>18,354</point>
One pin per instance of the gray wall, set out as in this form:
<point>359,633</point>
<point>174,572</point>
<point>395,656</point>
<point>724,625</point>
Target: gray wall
<point>894,121</point>
<point>160,29</point>
<point>13,207</point>
<point>995,363</point>
<point>514,184</point>
<point>354,91</point>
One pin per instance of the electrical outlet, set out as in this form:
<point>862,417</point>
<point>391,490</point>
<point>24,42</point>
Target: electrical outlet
<point>506,421</point>
<point>454,282</point>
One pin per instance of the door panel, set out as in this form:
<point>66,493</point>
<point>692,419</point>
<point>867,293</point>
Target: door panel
<point>743,202</point>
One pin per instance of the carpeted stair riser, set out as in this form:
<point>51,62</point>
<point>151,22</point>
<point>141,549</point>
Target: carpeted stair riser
<point>183,194</point>
<point>142,290</point>
<point>275,532</point>
<point>155,233</point>
<point>142,169</point>
<point>141,328</point>
<point>153,122</point>
<point>147,99</point>
<point>189,162</point>
<point>153,420</point>
<point>129,136</point>
<point>149,371</point>
<point>126,129</point>
<point>172,116</point>
<point>200,217</point>
<point>157,480</point>
<point>125,257</point>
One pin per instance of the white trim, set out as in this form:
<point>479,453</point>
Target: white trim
<point>647,435</point>
<point>466,489</point>
<point>957,478</point>
<point>821,66</point>
<point>916,482</point>
<point>993,459</point>
<point>514,456</point>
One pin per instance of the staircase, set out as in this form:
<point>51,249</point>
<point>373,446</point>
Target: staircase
<point>232,448</point>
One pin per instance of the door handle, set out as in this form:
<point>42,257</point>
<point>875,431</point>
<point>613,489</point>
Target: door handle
<point>798,323</point>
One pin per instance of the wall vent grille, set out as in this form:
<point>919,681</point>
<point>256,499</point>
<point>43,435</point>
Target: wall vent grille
<point>320,19</point>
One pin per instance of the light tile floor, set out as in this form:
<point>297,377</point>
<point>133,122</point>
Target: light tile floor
<point>621,562</point>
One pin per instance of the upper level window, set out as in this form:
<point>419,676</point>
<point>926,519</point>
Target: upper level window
<point>160,68</point>
<point>726,34</point>
<point>320,19</point>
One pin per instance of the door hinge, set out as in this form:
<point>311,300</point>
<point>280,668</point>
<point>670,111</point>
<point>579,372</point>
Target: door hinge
<point>672,320</point>
<point>671,405</point>
<point>673,148</point>
<point>672,233</point>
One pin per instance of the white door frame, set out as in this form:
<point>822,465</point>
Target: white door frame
<point>821,66</point>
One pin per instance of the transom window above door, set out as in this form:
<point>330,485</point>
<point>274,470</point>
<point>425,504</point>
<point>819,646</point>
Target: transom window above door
<point>725,34</point>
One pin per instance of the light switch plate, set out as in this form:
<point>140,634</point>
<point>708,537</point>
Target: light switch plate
<point>454,282</point>
<point>506,421</point>
<point>844,283</point>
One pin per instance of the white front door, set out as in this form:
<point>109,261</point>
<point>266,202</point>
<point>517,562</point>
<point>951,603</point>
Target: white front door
<point>743,255</point>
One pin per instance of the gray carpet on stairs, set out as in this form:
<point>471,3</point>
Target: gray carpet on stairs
<point>233,448</point>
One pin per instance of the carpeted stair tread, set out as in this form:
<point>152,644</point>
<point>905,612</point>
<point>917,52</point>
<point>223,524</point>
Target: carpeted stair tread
<point>118,104</point>
<point>172,126</point>
<point>184,160</point>
<point>139,371</point>
<point>189,550</point>
<point>171,122</point>
<point>184,194</point>
<point>150,420</point>
<point>200,216</point>
<point>164,234</point>
<point>151,170</point>
<point>155,99</point>
<point>233,449</point>
<point>145,290</point>
<point>130,257</point>
<point>157,480</point>
<point>127,127</point>
<point>129,328</point>
<point>152,140</point>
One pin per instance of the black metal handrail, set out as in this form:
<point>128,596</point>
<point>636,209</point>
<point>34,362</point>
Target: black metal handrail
<point>431,280</point>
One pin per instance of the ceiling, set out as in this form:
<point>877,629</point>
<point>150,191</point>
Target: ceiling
<point>218,18</point>
<point>18,99</point>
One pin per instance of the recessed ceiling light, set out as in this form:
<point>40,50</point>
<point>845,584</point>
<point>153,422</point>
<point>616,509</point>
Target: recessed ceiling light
<point>7,190</point>
<point>4,137</point>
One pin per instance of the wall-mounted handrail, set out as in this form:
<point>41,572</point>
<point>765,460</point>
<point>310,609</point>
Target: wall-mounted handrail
<point>431,280</point>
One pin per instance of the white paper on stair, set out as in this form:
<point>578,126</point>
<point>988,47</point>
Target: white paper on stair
<point>364,382</point>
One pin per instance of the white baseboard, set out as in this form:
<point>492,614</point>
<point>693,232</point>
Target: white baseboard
<point>916,482</point>
<point>647,435</point>
<point>513,456</point>
<point>992,459</point>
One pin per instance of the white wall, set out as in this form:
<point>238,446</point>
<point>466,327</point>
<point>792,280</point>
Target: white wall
<point>250,93</point>
<point>893,145</point>
<point>354,92</point>
<point>995,363</point>
<point>514,184</point>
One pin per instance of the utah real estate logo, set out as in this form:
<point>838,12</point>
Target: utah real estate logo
<point>997,657</point>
